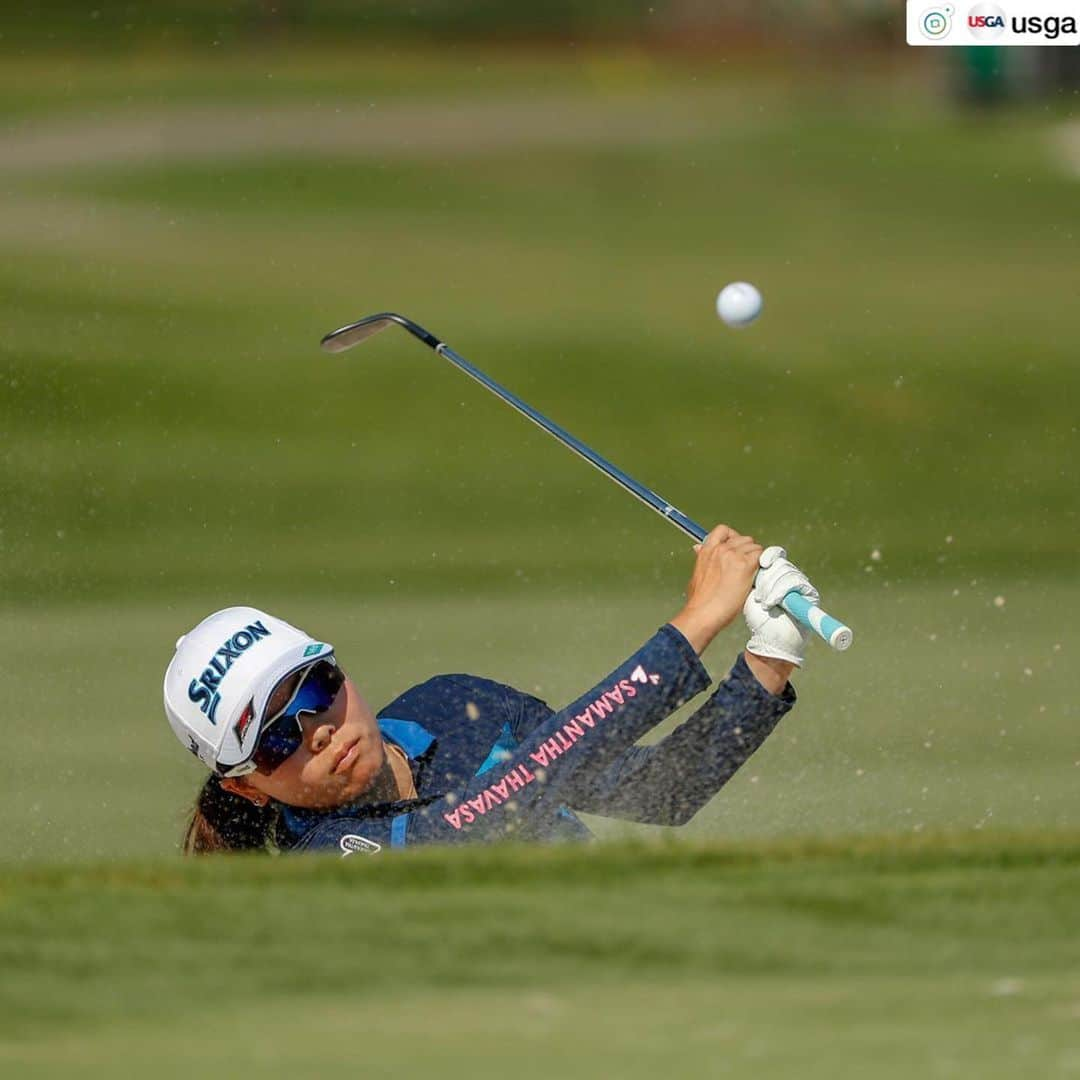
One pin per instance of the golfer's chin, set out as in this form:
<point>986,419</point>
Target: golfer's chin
<point>369,777</point>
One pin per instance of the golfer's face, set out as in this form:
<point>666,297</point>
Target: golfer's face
<point>340,758</point>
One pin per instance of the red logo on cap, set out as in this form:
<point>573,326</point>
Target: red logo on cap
<point>245,721</point>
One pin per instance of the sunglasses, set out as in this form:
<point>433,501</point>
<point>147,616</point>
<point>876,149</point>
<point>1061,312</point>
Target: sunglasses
<point>283,733</point>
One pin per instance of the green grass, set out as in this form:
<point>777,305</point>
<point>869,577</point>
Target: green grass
<point>908,383</point>
<point>949,956</point>
<point>118,28</point>
<point>57,85</point>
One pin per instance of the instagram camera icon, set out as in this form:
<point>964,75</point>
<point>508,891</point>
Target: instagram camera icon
<point>936,22</point>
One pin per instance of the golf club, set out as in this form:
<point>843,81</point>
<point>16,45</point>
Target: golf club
<point>831,630</point>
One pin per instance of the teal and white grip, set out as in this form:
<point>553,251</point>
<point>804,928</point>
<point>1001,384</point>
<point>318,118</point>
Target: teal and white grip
<point>833,631</point>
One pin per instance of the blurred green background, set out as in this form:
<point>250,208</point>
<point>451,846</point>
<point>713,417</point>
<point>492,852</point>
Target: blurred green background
<point>192,194</point>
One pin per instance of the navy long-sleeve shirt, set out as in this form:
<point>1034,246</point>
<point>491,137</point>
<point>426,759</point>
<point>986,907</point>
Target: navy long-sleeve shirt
<point>490,762</point>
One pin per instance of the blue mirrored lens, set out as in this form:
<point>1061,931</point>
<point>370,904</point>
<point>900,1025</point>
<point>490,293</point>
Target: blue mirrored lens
<point>285,736</point>
<point>312,697</point>
<point>279,741</point>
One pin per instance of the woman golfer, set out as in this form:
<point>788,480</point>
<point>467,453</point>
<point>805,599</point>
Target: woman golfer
<point>300,762</point>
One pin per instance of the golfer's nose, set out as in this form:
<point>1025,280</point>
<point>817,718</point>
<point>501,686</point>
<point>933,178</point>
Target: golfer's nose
<point>318,731</point>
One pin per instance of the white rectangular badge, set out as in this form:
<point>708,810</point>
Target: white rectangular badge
<point>1014,22</point>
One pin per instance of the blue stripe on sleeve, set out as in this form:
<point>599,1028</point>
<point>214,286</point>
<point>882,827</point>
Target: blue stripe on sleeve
<point>398,828</point>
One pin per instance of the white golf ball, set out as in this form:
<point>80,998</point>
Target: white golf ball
<point>739,303</point>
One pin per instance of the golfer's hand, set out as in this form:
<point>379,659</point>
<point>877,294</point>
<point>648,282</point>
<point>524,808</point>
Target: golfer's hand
<point>723,574</point>
<point>779,576</point>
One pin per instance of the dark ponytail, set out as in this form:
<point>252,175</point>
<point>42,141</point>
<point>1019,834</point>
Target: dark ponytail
<point>222,821</point>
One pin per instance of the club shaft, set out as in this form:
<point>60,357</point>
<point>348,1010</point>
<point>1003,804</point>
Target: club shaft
<point>640,491</point>
<point>830,629</point>
<point>826,626</point>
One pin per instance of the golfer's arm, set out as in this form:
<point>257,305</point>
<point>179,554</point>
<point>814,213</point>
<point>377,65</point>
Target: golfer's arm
<point>667,783</point>
<point>588,735</point>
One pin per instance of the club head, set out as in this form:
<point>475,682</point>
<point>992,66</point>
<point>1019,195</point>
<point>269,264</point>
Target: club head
<point>347,336</point>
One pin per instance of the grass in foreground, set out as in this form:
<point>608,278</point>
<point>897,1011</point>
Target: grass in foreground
<point>945,956</point>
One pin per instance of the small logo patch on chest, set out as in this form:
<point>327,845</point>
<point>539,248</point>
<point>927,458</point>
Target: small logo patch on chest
<point>351,844</point>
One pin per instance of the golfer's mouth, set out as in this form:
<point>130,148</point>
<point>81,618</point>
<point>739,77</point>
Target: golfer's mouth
<point>348,757</point>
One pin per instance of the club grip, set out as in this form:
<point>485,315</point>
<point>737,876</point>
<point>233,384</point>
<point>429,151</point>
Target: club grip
<point>832,631</point>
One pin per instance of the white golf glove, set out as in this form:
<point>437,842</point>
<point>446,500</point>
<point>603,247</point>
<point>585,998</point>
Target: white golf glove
<point>773,632</point>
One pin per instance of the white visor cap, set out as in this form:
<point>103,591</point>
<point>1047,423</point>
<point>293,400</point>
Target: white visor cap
<point>222,675</point>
